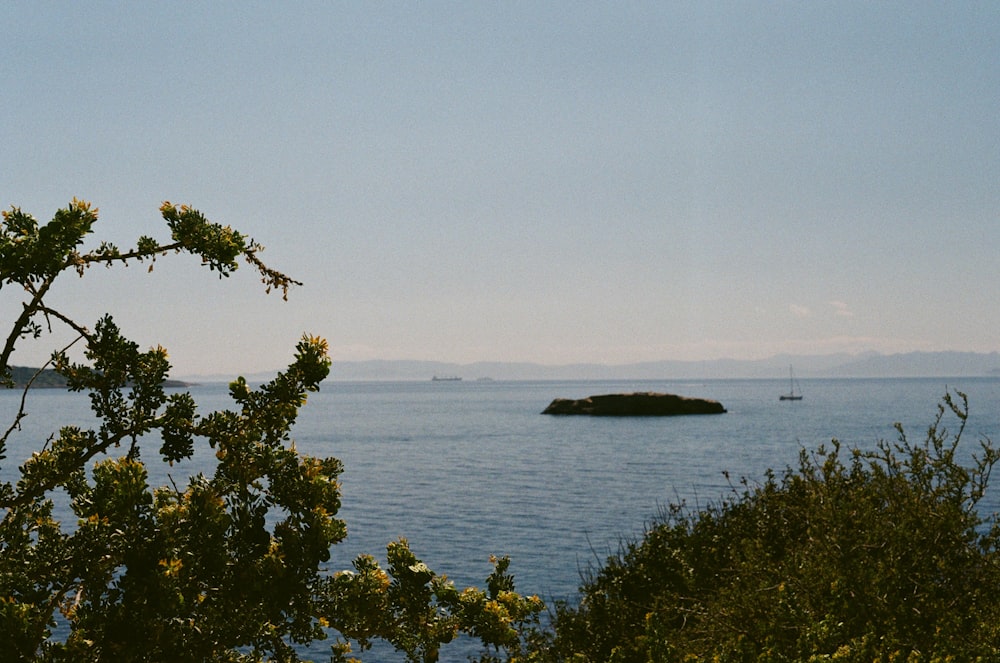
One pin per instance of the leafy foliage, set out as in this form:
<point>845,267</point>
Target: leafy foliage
<point>419,611</point>
<point>229,567</point>
<point>853,555</point>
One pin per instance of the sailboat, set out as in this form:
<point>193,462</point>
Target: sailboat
<point>791,395</point>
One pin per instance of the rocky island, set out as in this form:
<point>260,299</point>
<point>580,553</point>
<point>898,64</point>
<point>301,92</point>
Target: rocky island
<point>640,404</point>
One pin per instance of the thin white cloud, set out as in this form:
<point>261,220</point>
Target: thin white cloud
<point>799,311</point>
<point>842,309</point>
<point>720,348</point>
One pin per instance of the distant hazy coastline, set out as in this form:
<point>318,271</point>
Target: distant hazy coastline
<point>49,379</point>
<point>868,365</point>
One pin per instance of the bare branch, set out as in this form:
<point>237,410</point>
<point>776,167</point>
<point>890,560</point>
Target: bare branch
<point>17,329</point>
<point>123,257</point>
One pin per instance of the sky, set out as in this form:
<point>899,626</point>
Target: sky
<point>551,182</point>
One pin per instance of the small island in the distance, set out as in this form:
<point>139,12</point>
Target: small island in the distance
<point>641,404</point>
<point>49,379</point>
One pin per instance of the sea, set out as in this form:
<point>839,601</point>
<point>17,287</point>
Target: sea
<point>468,469</point>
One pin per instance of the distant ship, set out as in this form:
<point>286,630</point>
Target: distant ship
<point>446,378</point>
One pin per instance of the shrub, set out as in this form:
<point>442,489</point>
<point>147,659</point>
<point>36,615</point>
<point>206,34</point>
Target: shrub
<point>853,555</point>
<point>231,565</point>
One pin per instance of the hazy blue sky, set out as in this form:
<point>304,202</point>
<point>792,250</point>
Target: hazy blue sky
<point>542,181</point>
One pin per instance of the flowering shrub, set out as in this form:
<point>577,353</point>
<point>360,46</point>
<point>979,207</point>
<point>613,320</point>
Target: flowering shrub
<point>228,567</point>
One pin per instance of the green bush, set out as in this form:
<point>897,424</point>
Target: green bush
<point>228,566</point>
<point>854,555</point>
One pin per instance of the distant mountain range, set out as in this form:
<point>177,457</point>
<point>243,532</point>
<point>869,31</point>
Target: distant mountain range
<point>867,365</point>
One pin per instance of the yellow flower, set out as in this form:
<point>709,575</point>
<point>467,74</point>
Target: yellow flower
<point>171,567</point>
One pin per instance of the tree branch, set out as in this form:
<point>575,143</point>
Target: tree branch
<point>17,329</point>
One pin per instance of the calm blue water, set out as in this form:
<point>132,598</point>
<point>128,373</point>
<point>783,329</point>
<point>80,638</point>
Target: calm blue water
<point>469,469</point>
